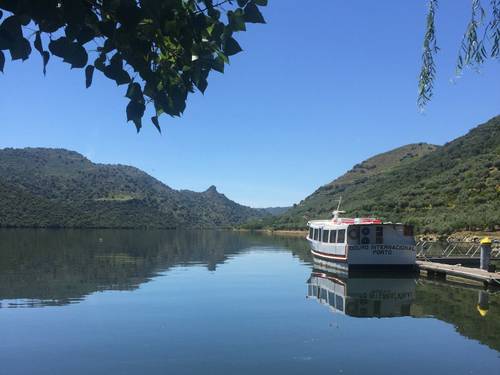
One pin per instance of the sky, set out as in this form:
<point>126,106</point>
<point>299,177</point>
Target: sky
<point>325,84</point>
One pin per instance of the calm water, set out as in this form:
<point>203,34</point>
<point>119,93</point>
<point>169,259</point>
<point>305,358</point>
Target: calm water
<point>137,302</point>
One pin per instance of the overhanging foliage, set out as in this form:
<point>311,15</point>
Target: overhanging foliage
<point>162,49</point>
<point>481,41</point>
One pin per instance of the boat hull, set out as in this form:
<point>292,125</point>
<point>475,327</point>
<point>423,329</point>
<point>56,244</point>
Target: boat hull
<point>364,256</point>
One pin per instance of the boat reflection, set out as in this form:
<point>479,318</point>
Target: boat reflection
<point>363,295</point>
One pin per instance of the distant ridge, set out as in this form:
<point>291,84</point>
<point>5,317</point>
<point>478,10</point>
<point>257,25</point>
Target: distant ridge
<point>43,187</point>
<point>437,188</point>
<point>276,210</point>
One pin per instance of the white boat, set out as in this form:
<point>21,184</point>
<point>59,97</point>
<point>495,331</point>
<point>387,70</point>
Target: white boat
<point>345,243</point>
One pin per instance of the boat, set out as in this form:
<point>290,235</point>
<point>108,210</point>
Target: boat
<point>368,295</point>
<point>365,242</point>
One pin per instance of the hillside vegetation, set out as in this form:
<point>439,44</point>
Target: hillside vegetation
<point>59,188</point>
<point>438,189</point>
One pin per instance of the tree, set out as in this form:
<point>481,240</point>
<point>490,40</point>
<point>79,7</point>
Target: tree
<point>162,49</point>
<point>480,42</point>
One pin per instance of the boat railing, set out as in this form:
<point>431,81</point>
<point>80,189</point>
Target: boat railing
<point>452,249</point>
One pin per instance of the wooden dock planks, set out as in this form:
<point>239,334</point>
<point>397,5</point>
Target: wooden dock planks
<point>487,278</point>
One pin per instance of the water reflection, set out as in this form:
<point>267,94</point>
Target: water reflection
<point>474,313</point>
<point>368,295</point>
<point>385,295</point>
<point>56,267</point>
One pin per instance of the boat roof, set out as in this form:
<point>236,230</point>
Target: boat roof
<point>344,222</point>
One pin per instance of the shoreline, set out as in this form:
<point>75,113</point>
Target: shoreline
<point>459,236</point>
<point>279,232</point>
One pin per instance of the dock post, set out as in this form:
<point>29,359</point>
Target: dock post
<point>485,253</point>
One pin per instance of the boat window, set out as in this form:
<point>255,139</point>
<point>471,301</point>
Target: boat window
<point>333,235</point>
<point>323,294</point>
<point>339,303</point>
<point>408,230</point>
<point>326,233</point>
<point>331,299</point>
<point>316,232</point>
<point>379,235</point>
<point>311,232</point>
<point>353,233</point>
<point>365,235</point>
<point>341,236</point>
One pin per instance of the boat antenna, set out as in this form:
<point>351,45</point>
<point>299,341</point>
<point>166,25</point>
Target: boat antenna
<point>337,211</point>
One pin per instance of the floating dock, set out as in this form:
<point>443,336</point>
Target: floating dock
<point>441,271</point>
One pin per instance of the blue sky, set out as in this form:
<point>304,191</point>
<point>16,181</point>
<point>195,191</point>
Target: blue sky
<point>322,86</point>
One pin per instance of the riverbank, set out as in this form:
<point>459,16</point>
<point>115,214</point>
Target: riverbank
<point>280,232</point>
<point>462,236</point>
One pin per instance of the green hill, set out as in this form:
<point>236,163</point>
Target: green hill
<point>438,189</point>
<point>58,188</point>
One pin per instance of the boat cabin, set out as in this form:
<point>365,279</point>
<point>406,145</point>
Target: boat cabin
<point>362,241</point>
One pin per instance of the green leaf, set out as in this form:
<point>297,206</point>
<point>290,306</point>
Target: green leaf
<point>242,3</point>
<point>231,47</point>
<point>201,84</point>
<point>89,73</point>
<point>236,20</point>
<point>38,42</point>
<point>108,46</point>
<point>214,13</point>
<point>156,123</point>
<point>2,61</point>
<point>86,35</point>
<point>115,70</point>
<point>59,47</point>
<point>252,14</point>
<point>223,57</point>
<point>99,62</point>
<point>71,52</point>
<point>134,92</point>
<point>77,56</point>
<point>260,2</point>
<point>135,111</point>
<point>71,31</point>
<point>24,19</point>
<point>12,28</point>
<point>5,40</point>
<point>21,49</point>
<point>45,57</point>
<point>218,64</point>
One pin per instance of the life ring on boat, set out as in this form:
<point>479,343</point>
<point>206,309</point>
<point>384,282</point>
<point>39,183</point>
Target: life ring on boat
<point>365,231</point>
<point>353,233</point>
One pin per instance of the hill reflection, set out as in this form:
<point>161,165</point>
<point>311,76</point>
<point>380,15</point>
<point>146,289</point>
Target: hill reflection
<point>56,267</point>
